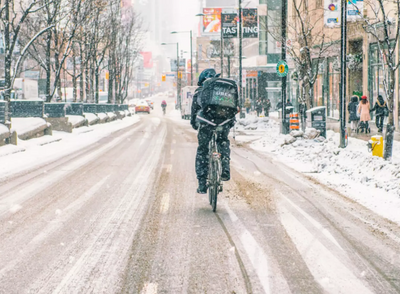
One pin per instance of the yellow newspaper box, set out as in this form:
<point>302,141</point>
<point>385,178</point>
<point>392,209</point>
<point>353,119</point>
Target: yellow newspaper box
<point>376,146</point>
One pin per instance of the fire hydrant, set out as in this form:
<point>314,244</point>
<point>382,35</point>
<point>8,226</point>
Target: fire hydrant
<point>375,145</point>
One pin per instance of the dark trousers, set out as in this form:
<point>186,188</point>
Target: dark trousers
<point>204,138</point>
<point>379,121</point>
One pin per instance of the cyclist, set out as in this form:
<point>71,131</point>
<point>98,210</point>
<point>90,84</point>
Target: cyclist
<point>164,105</point>
<point>205,134</point>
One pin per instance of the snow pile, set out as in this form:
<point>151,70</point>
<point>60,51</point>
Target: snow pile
<point>30,124</point>
<point>91,117</point>
<point>353,171</point>
<point>76,120</point>
<point>102,116</point>
<point>3,130</point>
<point>256,123</point>
<point>111,115</point>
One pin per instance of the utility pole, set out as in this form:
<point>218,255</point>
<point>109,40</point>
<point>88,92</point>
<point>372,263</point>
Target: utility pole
<point>229,66</point>
<point>242,113</point>
<point>178,100</point>
<point>283,56</point>
<point>342,102</point>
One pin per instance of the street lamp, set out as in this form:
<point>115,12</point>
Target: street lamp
<point>191,54</point>
<point>178,98</point>
<point>221,44</point>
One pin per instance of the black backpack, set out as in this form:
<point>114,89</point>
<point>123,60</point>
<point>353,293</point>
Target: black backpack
<point>219,98</point>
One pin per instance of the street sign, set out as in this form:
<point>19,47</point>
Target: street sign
<point>282,69</point>
<point>179,74</point>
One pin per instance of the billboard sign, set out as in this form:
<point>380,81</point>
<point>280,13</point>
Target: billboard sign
<point>211,21</point>
<point>250,23</point>
<point>332,13</point>
<point>229,25</point>
<point>355,9</point>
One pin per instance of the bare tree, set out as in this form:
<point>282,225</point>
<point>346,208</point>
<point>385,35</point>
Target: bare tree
<point>13,15</point>
<point>384,28</point>
<point>307,47</point>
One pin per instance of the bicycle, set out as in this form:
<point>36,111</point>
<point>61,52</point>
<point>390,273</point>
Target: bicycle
<point>214,181</point>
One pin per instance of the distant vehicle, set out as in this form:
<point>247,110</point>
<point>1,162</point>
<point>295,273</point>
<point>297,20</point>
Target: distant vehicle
<point>133,102</point>
<point>150,102</point>
<point>187,94</point>
<point>26,89</point>
<point>170,94</point>
<point>142,106</point>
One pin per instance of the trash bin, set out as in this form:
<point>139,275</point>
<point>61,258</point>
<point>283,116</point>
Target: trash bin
<point>316,118</point>
<point>375,145</point>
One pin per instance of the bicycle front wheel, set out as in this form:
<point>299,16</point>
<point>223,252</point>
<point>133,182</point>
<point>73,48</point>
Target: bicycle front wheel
<point>213,189</point>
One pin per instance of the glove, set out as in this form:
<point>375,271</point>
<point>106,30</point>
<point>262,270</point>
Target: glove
<point>195,126</point>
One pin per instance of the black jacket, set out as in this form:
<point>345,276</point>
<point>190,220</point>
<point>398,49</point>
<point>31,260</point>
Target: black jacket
<point>379,107</point>
<point>352,108</point>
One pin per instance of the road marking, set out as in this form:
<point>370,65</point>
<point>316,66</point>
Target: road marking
<point>164,203</point>
<point>149,288</point>
<point>254,252</point>
<point>314,223</point>
<point>330,272</point>
<point>172,152</point>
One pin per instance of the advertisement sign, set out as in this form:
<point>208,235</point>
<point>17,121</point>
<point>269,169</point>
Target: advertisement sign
<point>182,63</point>
<point>147,59</point>
<point>355,9</point>
<point>332,13</point>
<point>250,23</point>
<point>211,20</point>
<point>229,25</point>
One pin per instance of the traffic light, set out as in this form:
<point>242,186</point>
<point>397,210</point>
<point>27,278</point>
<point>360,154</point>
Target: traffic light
<point>163,78</point>
<point>179,74</point>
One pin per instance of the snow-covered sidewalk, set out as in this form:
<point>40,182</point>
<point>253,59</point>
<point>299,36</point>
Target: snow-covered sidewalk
<point>37,152</point>
<point>353,171</point>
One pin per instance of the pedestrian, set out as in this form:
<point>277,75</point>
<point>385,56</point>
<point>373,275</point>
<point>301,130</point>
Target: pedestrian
<point>267,107</point>
<point>259,107</point>
<point>288,103</point>
<point>279,105</point>
<point>381,110</point>
<point>354,117</point>
<point>363,110</point>
<point>247,105</point>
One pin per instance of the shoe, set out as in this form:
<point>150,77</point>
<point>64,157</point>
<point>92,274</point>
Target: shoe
<point>226,175</point>
<point>202,189</point>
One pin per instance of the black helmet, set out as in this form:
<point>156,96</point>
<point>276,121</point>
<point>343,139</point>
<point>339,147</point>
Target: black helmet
<point>206,74</point>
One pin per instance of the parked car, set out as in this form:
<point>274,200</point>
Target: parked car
<point>142,106</point>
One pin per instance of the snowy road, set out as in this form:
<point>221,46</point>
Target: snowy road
<point>122,216</point>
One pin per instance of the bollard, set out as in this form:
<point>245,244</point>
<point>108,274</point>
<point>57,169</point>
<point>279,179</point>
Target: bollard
<point>294,121</point>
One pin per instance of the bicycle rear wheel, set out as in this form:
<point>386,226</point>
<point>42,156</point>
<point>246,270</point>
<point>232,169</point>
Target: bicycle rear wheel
<point>214,186</point>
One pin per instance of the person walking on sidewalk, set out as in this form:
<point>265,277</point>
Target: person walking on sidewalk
<point>365,117</point>
<point>267,107</point>
<point>259,107</point>
<point>381,110</point>
<point>354,117</point>
<point>247,105</point>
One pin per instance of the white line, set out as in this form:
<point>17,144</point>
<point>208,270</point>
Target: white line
<point>332,274</point>
<point>254,252</point>
<point>164,203</point>
<point>149,288</point>
<point>314,223</point>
